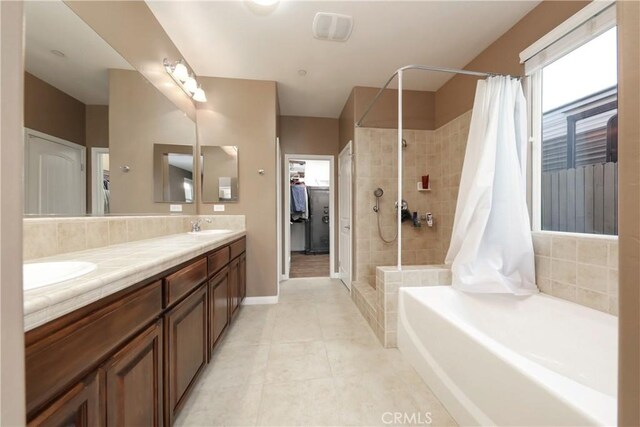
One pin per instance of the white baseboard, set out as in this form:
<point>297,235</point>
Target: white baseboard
<point>260,300</point>
<point>335,275</point>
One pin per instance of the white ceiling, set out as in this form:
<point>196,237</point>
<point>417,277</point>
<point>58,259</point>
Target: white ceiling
<point>228,39</point>
<point>83,72</point>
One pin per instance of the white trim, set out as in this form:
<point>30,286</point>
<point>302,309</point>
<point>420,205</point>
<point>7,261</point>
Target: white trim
<point>260,300</point>
<point>83,162</point>
<point>576,20</point>
<point>287,208</point>
<point>279,212</point>
<point>96,179</point>
<point>534,89</point>
<point>349,149</point>
<point>335,275</point>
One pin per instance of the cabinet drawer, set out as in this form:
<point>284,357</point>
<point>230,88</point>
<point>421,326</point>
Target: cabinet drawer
<point>238,247</point>
<point>58,360</point>
<point>181,282</point>
<point>218,260</point>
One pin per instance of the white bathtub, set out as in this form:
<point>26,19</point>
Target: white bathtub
<point>511,361</point>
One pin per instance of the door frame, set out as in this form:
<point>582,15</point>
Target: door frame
<point>83,162</point>
<point>347,148</point>
<point>96,179</point>
<point>285,217</point>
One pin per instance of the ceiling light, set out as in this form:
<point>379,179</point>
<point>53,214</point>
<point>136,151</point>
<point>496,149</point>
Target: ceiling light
<point>199,95</point>
<point>265,2</point>
<point>58,53</point>
<point>190,84</point>
<point>302,73</point>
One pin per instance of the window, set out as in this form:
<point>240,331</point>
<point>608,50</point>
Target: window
<point>574,129</point>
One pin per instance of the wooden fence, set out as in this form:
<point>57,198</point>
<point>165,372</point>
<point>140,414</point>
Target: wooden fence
<point>581,200</point>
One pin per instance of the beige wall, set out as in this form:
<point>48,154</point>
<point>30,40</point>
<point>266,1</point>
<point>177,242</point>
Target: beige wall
<point>347,122</point>
<point>49,110</point>
<point>121,24</point>
<point>139,117</point>
<point>418,108</point>
<point>243,113</point>
<point>97,135</point>
<point>629,211</point>
<point>12,392</point>
<point>309,135</point>
<point>456,96</point>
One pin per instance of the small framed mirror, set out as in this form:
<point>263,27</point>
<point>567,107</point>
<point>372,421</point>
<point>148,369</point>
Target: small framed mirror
<point>173,173</point>
<point>219,173</point>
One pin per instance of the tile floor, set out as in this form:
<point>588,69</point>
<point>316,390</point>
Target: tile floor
<point>309,360</point>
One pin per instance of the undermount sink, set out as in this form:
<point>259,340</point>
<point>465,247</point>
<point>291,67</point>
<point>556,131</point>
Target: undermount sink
<point>39,274</point>
<point>210,232</point>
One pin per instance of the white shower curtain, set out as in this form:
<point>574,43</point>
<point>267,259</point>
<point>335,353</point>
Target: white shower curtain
<point>491,248</point>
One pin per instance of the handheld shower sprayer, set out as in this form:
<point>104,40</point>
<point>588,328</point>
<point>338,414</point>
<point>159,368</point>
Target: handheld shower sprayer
<point>377,193</point>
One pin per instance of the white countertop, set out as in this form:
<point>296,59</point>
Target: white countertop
<point>119,266</point>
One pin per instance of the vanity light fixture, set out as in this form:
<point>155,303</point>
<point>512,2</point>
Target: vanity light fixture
<point>191,85</point>
<point>199,95</point>
<point>183,78</point>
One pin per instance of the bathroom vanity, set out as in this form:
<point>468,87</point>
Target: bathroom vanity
<point>132,357</point>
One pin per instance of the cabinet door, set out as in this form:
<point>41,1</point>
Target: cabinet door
<point>233,287</point>
<point>242,276</point>
<point>218,306</point>
<point>78,407</point>
<point>134,381</point>
<point>186,347</point>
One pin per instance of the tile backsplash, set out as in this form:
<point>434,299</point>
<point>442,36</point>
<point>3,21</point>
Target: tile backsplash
<point>579,268</point>
<point>53,236</point>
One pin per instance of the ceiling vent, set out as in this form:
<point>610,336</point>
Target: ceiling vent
<point>332,26</point>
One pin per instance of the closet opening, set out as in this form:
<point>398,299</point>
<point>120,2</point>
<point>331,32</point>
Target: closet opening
<point>308,222</point>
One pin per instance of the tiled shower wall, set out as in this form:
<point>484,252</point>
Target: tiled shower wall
<point>439,154</point>
<point>580,268</point>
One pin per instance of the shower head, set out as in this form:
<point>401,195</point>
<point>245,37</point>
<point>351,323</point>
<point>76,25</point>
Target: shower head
<point>378,192</point>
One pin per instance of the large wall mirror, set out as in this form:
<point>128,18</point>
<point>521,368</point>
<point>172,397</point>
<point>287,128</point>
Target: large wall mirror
<point>219,173</point>
<point>91,123</point>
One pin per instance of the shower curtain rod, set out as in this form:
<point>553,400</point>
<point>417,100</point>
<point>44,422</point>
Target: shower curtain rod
<point>423,68</point>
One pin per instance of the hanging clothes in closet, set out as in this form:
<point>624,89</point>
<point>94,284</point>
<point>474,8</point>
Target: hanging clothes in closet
<point>299,202</point>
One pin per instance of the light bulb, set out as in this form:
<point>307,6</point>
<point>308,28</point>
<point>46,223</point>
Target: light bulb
<point>191,85</point>
<point>199,95</point>
<point>265,2</point>
<point>180,71</point>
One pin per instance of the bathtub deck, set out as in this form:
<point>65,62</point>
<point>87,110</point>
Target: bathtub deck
<point>379,304</point>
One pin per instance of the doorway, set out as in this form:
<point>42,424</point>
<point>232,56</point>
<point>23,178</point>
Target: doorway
<point>308,216</point>
<point>100,181</point>
<point>55,179</point>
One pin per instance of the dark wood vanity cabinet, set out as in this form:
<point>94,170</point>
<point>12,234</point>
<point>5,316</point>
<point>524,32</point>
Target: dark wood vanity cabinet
<point>80,406</point>
<point>132,358</point>
<point>218,306</point>
<point>134,381</point>
<point>186,329</point>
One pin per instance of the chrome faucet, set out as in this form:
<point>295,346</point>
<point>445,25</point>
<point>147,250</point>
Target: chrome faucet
<point>196,225</point>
